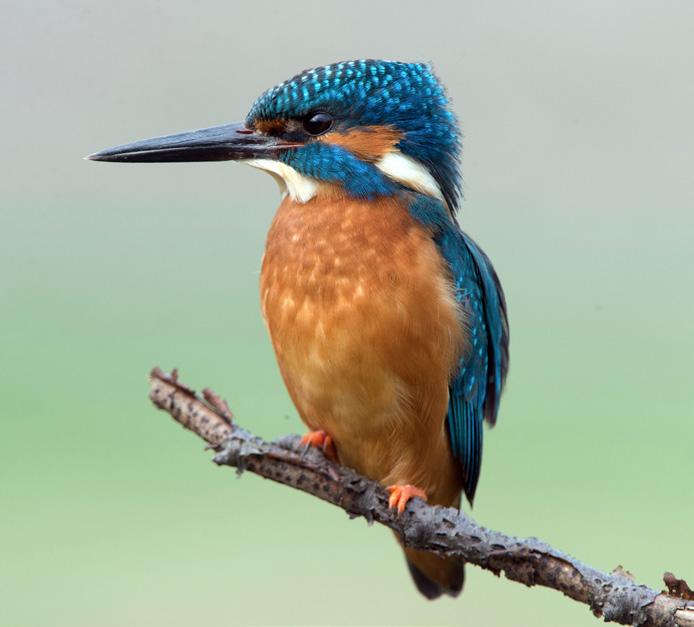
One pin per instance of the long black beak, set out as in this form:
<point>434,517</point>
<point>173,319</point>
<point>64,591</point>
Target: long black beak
<point>217,143</point>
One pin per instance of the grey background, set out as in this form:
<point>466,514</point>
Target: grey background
<point>578,130</point>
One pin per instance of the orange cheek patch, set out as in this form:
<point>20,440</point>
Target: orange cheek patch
<point>369,143</point>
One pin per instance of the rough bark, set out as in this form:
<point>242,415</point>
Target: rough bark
<point>613,596</point>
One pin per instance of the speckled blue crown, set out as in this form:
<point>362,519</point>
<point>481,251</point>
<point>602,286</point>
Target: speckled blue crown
<point>406,96</point>
<point>389,87</point>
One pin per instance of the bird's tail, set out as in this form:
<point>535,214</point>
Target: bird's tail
<point>434,575</point>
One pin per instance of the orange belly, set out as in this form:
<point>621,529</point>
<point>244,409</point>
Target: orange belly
<point>366,333</point>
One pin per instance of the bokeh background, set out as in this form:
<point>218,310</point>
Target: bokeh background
<point>578,167</point>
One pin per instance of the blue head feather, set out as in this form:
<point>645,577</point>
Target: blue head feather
<point>405,96</point>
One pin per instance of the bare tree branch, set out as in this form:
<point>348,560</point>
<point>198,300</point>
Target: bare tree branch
<point>446,531</point>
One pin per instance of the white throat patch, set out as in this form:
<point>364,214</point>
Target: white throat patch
<point>299,187</point>
<point>410,173</point>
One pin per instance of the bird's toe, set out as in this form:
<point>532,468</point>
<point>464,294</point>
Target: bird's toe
<point>400,495</point>
<point>320,439</point>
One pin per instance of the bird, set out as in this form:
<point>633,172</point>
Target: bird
<point>388,322</point>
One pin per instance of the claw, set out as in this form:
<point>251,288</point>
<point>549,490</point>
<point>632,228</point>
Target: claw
<point>400,496</point>
<point>321,440</point>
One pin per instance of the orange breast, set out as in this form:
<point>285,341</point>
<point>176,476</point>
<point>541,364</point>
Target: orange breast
<point>361,316</point>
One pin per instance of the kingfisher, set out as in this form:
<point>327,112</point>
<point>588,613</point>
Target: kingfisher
<point>388,322</point>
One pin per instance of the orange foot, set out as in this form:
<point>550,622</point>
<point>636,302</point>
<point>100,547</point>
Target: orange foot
<point>400,496</point>
<point>321,440</point>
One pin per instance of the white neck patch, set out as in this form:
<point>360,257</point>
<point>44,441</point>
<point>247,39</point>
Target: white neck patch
<point>299,187</point>
<point>410,173</point>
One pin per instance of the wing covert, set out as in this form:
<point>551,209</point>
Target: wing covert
<point>475,388</point>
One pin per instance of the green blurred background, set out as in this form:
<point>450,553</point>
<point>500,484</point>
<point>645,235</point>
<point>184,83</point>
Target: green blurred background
<point>578,165</point>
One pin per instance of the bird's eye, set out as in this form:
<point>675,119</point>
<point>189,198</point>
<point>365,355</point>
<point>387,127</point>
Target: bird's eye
<point>318,123</point>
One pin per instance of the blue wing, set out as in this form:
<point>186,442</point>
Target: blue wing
<point>475,389</point>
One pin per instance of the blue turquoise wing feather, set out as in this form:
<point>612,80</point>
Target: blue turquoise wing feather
<point>489,307</point>
<point>476,387</point>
